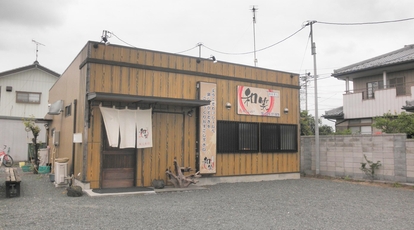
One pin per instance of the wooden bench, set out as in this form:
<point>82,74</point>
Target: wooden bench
<point>12,183</point>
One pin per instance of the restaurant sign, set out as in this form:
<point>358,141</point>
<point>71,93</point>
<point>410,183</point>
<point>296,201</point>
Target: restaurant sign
<point>257,101</point>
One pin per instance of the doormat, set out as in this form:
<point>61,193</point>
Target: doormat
<point>122,190</point>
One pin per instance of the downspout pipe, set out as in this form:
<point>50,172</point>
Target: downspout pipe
<point>75,103</point>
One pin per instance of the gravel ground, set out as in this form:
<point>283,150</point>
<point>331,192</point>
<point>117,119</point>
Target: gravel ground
<point>306,203</point>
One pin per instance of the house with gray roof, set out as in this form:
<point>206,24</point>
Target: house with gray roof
<point>379,85</point>
<point>24,92</point>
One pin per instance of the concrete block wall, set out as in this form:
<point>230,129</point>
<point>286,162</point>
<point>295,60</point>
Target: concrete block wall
<point>409,153</point>
<point>341,156</point>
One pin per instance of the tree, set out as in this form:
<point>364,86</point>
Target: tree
<point>326,130</point>
<point>307,124</point>
<point>389,123</point>
<point>30,126</point>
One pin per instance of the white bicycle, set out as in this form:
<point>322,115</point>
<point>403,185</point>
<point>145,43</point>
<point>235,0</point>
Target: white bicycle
<point>5,158</point>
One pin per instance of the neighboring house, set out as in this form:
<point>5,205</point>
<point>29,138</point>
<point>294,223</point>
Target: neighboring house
<point>128,112</point>
<point>381,84</point>
<point>24,92</point>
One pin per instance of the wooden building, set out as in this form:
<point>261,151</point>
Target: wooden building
<point>222,119</point>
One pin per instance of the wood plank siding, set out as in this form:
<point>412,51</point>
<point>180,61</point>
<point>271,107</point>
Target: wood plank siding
<point>130,71</point>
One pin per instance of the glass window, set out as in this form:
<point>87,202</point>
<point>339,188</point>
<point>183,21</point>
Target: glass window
<point>68,110</point>
<point>366,130</point>
<point>372,87</point>
<point>288,138</point>
<point>233,137</point>
<point>399,84</point>
<point>355,130</point>
<point>226,136</point>
<point>270,138</point>
<point>248,136</point>
<point>28,97</point>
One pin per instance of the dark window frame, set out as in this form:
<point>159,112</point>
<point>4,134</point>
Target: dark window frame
<point>399,84</point>
<point>230,138</point>
<point>269,138</point>
<point>68,110</point>
<point>372,87</point>
<point>19,100</point>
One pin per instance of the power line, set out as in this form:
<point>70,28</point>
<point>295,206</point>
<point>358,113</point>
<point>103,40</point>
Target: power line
<point>188,49</point>
<point>122,40</point>
<point>250,52</point>
<point>363,23</point>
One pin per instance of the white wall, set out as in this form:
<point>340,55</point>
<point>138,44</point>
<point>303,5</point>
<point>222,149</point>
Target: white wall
<point>13,135</point>
<point>33,80</point>
<point>385,100</point>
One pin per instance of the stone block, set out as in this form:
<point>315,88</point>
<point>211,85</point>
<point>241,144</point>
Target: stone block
<point>410,174</point>
<point>400,173</point>
<point>331,163</point>
<point>348,159</point>
<point>349,165</point>
<point>409,156</point>
<point>339,164</point>
<point>410,179</point>
<point>387,161</point>
<point>410,168</point>
<point>388,155</point>
<point>402,179</point>
<point>331,168</point>
<point>400,163</point>
<point>387,172</point>
<point>388,167</point>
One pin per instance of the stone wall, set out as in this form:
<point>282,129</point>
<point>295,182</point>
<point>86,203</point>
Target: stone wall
<point>341,156</point>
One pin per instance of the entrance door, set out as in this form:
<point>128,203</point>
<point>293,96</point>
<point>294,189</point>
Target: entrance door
<point>118,166</point>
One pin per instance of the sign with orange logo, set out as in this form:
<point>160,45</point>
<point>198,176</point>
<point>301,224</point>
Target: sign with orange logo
<point>257,101</point>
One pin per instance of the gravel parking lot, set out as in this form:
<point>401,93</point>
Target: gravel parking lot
<point>291,204</point>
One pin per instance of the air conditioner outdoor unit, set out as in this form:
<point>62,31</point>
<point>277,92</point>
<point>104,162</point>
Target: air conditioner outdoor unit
<point>61,170</point>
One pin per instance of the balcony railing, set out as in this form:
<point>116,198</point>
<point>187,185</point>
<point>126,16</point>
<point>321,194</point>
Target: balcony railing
<point>401,90</point>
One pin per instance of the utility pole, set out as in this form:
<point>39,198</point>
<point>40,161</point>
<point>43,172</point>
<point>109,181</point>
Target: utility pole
<point>313,50</point>
<point>254,33</point>
<point>199,49</point>
<point>37,47</point>
<point>305,79</point>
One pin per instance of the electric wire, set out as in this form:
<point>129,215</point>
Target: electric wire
<point>187,49</point>
<point>250,52</point>
<point>363,23</point>
<point>122,40</point>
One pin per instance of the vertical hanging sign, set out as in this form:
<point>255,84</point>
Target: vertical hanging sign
<point>207,127</point>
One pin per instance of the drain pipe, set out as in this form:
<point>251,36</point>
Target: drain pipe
<point>75,103</point>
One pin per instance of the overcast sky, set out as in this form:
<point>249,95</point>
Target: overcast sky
<point>64,27</point>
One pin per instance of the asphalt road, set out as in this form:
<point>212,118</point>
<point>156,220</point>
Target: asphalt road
<point>291,204</point>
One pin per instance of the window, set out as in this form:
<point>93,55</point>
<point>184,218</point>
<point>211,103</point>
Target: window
<point>399,84</point>
<point>355,130</point>
<point>248,136</point>
<point>366,130</point>
<point>28,97</point>
<point>238,137</point>
<point>269,134</point>
<point>278,138</point>
<point>227,137</point>
<point>288,138</point>
<point>68,110</point>
<point>372,87</point>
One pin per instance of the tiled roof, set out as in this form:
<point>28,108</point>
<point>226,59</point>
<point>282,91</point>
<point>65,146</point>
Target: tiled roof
<point>337,112</point>
<point>403,55</point>
<point>32,66</point>
<point>409,106</point>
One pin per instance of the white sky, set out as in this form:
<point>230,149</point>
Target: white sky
<point>64,27</point>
